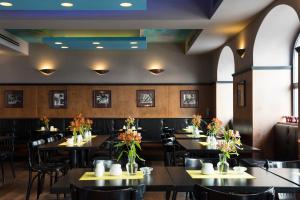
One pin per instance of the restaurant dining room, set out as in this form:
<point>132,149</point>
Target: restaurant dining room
<point>149,99</point>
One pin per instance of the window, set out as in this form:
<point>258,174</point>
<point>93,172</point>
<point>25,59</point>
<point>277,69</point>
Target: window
<point>295,78</point>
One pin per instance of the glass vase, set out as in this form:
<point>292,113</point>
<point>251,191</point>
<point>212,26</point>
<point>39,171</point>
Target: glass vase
<point>131,166</point>
<point>211,140</point>
<point>223,165</point>
<point>195,130</point>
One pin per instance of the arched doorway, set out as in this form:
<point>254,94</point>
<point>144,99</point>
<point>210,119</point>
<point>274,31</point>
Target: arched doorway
<point>224,86</point>
<point>271,74</point>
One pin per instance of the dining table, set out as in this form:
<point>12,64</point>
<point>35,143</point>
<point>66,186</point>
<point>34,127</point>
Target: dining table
<point>289,174</point>
<point>159,180</point>
<point>190,136</point>
<point>178,179</point>
<point>200,147</point>
<point>78,153</point>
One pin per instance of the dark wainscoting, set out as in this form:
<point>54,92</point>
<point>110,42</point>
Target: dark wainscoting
<point>24,129</point>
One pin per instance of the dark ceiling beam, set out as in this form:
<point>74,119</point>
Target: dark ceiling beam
<point>214,6</point>
<point>209,7</point>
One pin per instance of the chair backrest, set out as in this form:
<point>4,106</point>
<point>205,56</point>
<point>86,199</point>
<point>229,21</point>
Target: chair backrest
<point>7,144</point>
<point>193,163</point>
<point>282,164</point>
<point>33,152</point>
<point>78,193</point>
<point>204,193</point>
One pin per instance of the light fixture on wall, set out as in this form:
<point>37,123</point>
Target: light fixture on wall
<point>47,72</point>
<point>297,49</point>
<point>156,71</point>
<point>101,71</point>
<point>241,52</point>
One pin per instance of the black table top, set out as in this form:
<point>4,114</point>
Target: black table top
<point>264,179</point>
<point>181,136</point>
<point>196,147</point>
<point>290,174</point>
<point>93,143</point>
<point>159,180</point>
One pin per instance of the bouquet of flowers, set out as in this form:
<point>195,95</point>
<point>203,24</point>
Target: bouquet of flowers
<point>130,141</point>
<point>45,121</point>
<point>196,121</point>
<point>214,127</point>
<point>228,147</point>
<point>129,122</point>
<point>80,125</point>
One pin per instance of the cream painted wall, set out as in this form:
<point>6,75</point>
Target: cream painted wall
<point>224,101</point>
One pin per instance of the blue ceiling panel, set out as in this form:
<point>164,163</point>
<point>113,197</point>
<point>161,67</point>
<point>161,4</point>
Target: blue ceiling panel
<point>97,43</point>
<point>77,5</point>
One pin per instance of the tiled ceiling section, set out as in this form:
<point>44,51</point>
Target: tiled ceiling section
<point>23,5</point>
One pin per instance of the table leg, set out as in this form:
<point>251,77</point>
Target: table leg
<point>73,158</point>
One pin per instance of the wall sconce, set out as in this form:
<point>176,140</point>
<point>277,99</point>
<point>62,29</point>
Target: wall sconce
<point>156,71</point>
<point>101,71</point>
<point>297,49</point>
<point>241,52</point>
<point>47,72</point>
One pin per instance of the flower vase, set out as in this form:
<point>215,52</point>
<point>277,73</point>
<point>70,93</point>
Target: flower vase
<point>131,166</point>
<point>211,140</point>
<point>223,165</point>
<point>195,130</point>
<point>47,127</point>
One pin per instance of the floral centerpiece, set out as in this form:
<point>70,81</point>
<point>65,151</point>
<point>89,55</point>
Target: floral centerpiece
<point>129,142</point>
<point>79,126</point>
<point>129,122</point>
<point>228,147</point>
<point>196,122</point>
<point>213,128</point>
<point>45,122</point>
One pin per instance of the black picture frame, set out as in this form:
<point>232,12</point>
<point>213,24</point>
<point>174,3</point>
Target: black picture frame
<point>145,98</point>
<point>189,99</point>
<point>241,93</point>
<point>14,98</point>
<point>102,98</point>
<point>58,99</point>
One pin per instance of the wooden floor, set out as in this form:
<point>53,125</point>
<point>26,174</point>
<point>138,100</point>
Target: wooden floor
<point>15,189</point>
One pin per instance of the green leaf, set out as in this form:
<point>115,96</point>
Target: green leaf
<point>120,155</point>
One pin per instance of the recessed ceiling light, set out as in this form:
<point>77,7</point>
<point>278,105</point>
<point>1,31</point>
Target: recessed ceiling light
<point>96,42</point>
<point>58,43</point>
<point>134,47</point>
<point>67,4</point>
<point>64,47</point>
<point>133,42</point>
<point>99,47</point>
<point>126,4</point>
<point>6,4</point>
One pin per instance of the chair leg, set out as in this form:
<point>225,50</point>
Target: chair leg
<point>174,195</point>
<point>2,171</point>
<point>38,192</point>
<point>12,166</point>
<point>30,183</point>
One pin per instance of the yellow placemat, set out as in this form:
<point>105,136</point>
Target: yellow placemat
<point>90,176</point>
<point>203,143</point>
<point>196,136</point>
<point>187,130</point>
<point>196,174</point>
<point>80,144</point>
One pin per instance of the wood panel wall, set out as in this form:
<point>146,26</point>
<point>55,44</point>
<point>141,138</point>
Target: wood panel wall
<point>167,101</point>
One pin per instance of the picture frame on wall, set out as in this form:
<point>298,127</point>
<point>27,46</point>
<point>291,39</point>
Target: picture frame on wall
<point>58,99</point>
<point>241,93</point>
<point>13,98</point>
<point>102,99</point>
<point>189,98</point>
<point>145,98</point>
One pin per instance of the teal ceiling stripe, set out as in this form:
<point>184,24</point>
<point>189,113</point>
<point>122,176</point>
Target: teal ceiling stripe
<point>96,43</point>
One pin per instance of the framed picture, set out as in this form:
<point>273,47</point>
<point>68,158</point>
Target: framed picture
<point>14,98</point>
<point>102,99</point>
<point>189,98</point>
<point>241,94</point>
<point>145,98</point>
<point>58,99</point>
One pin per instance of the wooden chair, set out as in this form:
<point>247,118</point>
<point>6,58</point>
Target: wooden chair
<point>38,168</point>
<point>78,193</point>
<point>203,193</point>
<point>7,149</point>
